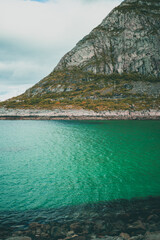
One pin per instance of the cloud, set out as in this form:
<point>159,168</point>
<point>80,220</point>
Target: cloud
<point>12,90</point>
<point>34,35</point>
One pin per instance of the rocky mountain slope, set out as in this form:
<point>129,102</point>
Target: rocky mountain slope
<point>127,40</point>
<point>116,66</point>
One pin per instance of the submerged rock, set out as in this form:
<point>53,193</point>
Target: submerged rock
<point>137,219</point>
<point>19,238</point>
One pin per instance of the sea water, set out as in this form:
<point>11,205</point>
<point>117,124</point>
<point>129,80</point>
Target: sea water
<point>49,164</point>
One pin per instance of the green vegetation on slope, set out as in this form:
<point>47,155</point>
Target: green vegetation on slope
<point>77,89</point>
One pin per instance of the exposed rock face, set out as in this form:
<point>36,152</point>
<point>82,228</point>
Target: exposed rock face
<point>127,40</point>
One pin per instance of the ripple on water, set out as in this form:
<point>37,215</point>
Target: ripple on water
<point>50,164</point>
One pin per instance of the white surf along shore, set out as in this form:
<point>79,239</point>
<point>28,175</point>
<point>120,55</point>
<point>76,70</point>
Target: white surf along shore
<point>76,114</point>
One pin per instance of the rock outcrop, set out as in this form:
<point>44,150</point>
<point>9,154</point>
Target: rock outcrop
<point>127,40</point>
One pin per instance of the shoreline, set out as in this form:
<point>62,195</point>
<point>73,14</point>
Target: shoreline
<point>135,219</point>
<point>73,114</point>
<point>76,118</point>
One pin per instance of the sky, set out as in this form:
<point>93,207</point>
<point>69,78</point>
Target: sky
<point>35,35</point>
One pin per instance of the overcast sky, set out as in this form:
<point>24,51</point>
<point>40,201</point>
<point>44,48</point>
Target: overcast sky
<point>35,34</point>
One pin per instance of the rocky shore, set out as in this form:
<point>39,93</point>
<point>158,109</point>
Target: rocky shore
<point>135,219</point>
<point>60,114</point>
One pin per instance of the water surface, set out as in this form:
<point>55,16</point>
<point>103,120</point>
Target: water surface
<point>48,164</point>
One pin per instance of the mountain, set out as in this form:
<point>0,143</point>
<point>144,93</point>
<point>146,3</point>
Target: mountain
<point>116,66</point>
<point>127,40</point>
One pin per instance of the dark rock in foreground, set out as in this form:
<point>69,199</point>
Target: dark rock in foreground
<point>136,219</point>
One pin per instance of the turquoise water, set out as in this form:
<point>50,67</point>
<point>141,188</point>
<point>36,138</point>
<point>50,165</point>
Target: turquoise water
<point>47,164</point>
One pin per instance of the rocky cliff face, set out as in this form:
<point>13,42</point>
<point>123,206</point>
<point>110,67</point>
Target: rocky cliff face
<point>127,40</point>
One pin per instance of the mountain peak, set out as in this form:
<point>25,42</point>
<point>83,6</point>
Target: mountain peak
<point>127,40</point>
<point>141,2</point>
